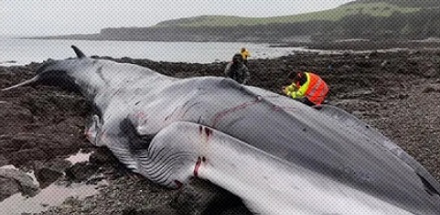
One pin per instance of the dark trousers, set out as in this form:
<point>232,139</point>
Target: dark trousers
<point>306,101</point>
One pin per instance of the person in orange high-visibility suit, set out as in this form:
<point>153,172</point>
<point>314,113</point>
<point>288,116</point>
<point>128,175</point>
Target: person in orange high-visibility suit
<point>306,87</point>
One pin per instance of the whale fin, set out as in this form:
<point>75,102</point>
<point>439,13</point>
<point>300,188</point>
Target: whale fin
<point>78,52</point>
<point>24,83</point>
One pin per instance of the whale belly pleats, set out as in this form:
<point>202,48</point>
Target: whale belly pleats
<point>267,184</point>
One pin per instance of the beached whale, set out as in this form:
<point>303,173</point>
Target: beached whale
<point>278,155</point>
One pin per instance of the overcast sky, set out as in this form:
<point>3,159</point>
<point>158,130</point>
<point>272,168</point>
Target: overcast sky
<point>55,17</point>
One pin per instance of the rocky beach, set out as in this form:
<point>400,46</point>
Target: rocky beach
<point>396,92</point>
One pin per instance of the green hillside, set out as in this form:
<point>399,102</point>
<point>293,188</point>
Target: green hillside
<point>404,3</point>
<point>365,19</point>
<point>374,8</point>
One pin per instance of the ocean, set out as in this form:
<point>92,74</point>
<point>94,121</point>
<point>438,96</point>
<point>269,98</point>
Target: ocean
<point>14,51</point>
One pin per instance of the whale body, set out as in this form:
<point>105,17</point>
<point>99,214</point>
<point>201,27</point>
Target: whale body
<point>279,155</point>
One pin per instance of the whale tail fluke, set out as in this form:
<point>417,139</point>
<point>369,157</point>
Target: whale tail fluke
<point>49,70</point>
<point>24,83</point>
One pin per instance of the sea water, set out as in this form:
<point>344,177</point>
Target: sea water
<point>53,195</point>
<point>15,51</point>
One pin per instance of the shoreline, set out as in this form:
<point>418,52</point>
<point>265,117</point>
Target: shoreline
<point>365,45</point>
<point>352,46</point>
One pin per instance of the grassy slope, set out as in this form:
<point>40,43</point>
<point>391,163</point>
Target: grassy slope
<point>374,9</point>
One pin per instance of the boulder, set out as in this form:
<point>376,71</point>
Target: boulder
<point>203,197</point>
<point>8,187</point>
<point>13,181</point>
<point>81,171</point>
<point>50,171</point>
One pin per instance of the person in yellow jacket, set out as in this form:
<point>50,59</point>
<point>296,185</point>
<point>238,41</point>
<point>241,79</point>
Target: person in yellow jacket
<point>306,87</point>
<point>245,54</point>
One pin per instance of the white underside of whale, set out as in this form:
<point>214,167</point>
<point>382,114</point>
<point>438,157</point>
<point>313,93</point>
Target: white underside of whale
<point>267,184</point>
